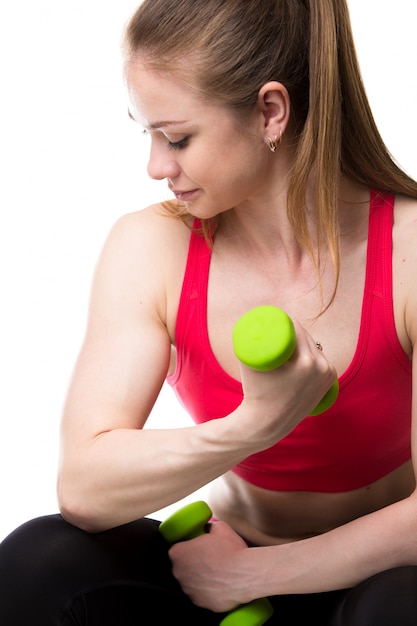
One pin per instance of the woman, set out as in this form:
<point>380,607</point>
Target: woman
<point>285,195</point>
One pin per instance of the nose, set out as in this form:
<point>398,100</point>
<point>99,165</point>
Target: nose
<point>162,163</point>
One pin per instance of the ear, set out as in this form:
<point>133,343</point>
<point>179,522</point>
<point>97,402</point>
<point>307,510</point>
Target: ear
<point>275,105</point>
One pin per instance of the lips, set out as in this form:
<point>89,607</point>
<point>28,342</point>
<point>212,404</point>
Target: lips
<point>183,195</point>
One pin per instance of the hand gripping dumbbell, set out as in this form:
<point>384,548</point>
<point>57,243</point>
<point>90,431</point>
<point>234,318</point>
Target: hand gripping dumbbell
<point>264,339</point>
<point>189,522</point>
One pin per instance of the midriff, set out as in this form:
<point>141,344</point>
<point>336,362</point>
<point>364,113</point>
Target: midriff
<point>265,517</point>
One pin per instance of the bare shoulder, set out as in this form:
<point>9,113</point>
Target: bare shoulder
<point>405,228</point>
<point>405,208</point>
<point>143,261</point>
<point>405,263</point>
<point>152,230</point>
<point>149,239</point>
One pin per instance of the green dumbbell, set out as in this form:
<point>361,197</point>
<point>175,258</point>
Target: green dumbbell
<point>189,522</point>
<point>264,339</point>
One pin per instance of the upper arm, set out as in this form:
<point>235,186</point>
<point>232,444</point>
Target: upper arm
<point>126,351</point>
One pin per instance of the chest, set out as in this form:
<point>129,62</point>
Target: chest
<point>235,289</point>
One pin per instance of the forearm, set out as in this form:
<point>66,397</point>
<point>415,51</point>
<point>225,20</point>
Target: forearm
<point>124,474</point>
<point>338,559</point>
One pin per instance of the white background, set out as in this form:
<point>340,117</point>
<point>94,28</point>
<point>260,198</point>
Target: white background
<point>70,164</point>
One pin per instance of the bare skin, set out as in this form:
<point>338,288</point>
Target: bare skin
<point>266,518</point>
<point>114,470</point>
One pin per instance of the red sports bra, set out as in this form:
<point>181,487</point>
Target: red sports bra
<point>364,435</point>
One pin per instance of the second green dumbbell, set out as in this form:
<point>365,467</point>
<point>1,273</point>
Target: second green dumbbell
<point>189,522</point>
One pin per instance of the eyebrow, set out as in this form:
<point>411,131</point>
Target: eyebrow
<point>165,124</point>
<point>161,124</point>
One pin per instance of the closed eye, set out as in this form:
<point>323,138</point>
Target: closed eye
<point>173,145</point>
<point>179,145</point>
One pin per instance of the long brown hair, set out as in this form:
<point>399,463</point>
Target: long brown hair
<point>228,49</point>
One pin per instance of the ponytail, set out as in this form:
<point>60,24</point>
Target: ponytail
<point>339,136</point>
<point>319,146</point>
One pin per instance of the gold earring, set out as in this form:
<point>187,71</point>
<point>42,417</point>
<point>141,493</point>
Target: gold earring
<point>274,143</point>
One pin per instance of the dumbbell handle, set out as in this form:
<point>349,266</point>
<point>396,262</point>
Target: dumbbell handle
<point>189,522</point>
<point>264,339</point>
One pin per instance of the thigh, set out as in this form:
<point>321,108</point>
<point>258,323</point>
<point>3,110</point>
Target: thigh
<point>305,609</point>
<point>386,599</point>
<point>54,573</point>
<point>133,604</point>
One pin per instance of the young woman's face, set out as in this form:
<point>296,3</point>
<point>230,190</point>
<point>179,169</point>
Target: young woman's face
<point>210,163</point>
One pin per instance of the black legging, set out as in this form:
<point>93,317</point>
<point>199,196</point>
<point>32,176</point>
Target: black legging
<point>54,574</point>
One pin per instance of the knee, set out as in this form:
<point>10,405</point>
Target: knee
<point>36,545</point>
<point>387,598</point>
